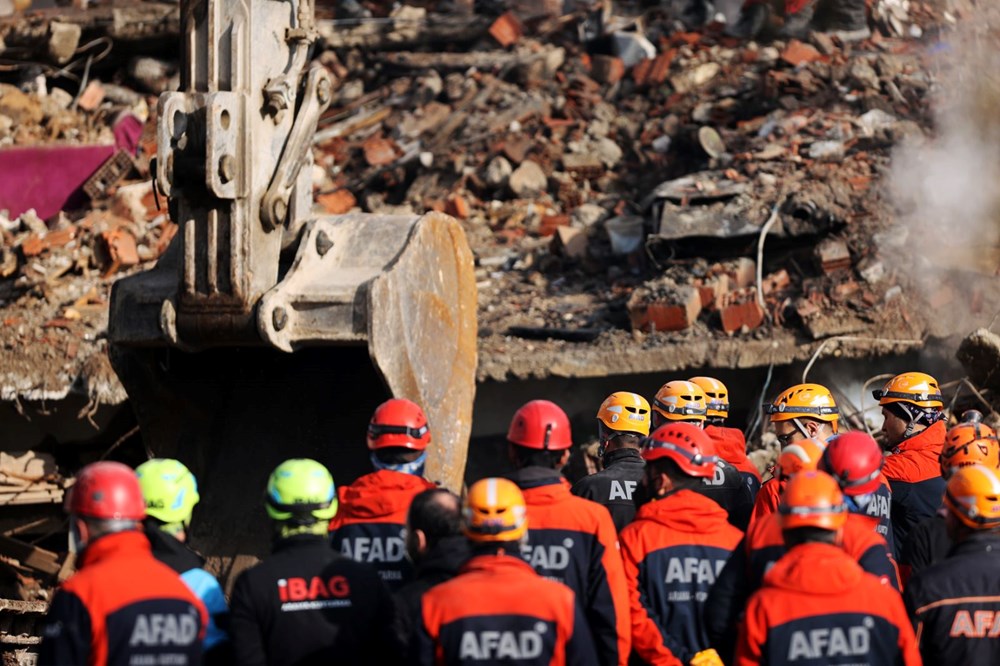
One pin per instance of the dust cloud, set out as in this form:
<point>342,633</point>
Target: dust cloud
<point>946,189</point>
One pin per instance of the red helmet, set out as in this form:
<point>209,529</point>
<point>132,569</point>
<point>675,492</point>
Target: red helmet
<point>107,491</point>
<point>398,423</point>
<point>684,443</point>
<point>540,424</point>
<point>855,460</point>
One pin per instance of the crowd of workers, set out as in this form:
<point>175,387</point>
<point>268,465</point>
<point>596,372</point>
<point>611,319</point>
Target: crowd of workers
<point>674,553</point>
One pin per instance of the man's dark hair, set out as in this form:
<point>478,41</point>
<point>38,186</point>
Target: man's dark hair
<point>680,480</point>
<point>437,519</point>
<point>525,457</point>
<point>397,455</point>
<point>800,535</point>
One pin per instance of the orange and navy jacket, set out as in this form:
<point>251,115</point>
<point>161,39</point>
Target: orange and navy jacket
<point>914,475</point>
<point>955,604</point>
<point>879,511</point>
<point>123,607</point>
<point>767,499</point>
<point>761,548</point>
<point>731,446</point>
<point>369,524</point>
<point>498,610</point>
<point>573,541</point>
<point>818,607</point>
<point>673,552</point>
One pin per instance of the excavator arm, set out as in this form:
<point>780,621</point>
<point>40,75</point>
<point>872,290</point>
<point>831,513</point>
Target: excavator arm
<point>265,331</point>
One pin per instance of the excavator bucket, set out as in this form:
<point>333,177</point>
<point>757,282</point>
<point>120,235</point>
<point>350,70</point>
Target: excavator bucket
<point>266,333</point>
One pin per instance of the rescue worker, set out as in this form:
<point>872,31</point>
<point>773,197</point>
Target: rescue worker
<point>855,460</point>
<point>436,546</point>
<point>674,549</point>
<point>498,609</point>
<point>730,444</point>
<point>955,604</point>
<point>686,402</point>
<point>804,411</point>
<point>971,442</point>
<point>306,603</point>
<point>622,422</point>
<point>369,526</point>
<point>760,548</point>
<point>817,605</point>
<point>122,607</point>
<point>914,430</point>
<point>571,540</point>
<point>171,493</point>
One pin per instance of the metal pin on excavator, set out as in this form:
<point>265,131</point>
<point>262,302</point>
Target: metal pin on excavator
<point>202,341</point>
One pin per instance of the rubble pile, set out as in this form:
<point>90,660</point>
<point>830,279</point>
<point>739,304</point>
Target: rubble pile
<point>619,178</point>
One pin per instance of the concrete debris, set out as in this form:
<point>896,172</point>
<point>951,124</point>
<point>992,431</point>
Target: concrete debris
<point>595,157</point>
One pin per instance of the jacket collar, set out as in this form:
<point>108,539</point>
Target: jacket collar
<point>171,551</point>
<point>301,541</point>
<point>535,477</point>
<point>625,456</point>
<point>501,563</point>
<point>447,556</point>
<point>985,542</point>
<point>119,544</point>
<point>931,438</point>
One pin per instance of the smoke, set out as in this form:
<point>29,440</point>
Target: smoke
<point>946,190</point>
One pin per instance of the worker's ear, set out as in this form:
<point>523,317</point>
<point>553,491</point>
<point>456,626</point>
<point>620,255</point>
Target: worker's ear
<point>662,484</point>
<point>564,459</point>
<point>421,540</point>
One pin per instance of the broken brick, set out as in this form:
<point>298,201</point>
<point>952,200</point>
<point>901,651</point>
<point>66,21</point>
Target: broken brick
<point>36,244</point>
<point>91,97</point>
<point>713,292</point>
<point>833,255</point>
<point>607,69</point>
<point>674,314</point>
<point>583,166</point>
<point>845,289</point>
<point>121,248</point>
<point>380,151</point>
<point>457,206</point>
<point>550,223</point>
<point>798,53</point>
<point>337,202</point>
<point>506,30</point>
<point>742,316</point>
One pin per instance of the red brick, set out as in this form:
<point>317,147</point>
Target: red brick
<point>121,248</point>
<point>735,317</point>
<point>91,97</point>
<point>661,67</point>
<point>507,29</point>
<point>713,292</point>
<point>380,151</point>
<point>833,255</point>
<point>847,288</point>
<point>337,202</point>
<point>663,315</point>
<point>457,206</point>
<point>550,223</point>
<point>797,53</point>
<point>607,69</point>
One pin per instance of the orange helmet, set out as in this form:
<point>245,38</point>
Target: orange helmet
<point>812,499</point>
<point>398,422</point>
<point>494,511</point>
<point>625,412</point>
<point>801,456</point>
<point>973,497</point>
<point>717,395</point>
<point>811,401</point>
<point>915,388</point>
<point>684,443</point>
<point>681,401</point>
<point>540,424</point>
<point>969,443</point>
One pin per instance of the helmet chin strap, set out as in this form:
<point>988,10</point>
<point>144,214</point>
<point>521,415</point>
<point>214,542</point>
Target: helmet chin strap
<point>801,428</point>
<point>415,467</point>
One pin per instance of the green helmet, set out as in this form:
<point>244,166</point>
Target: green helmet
<point>170,491</point>
<point>301,491</point>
